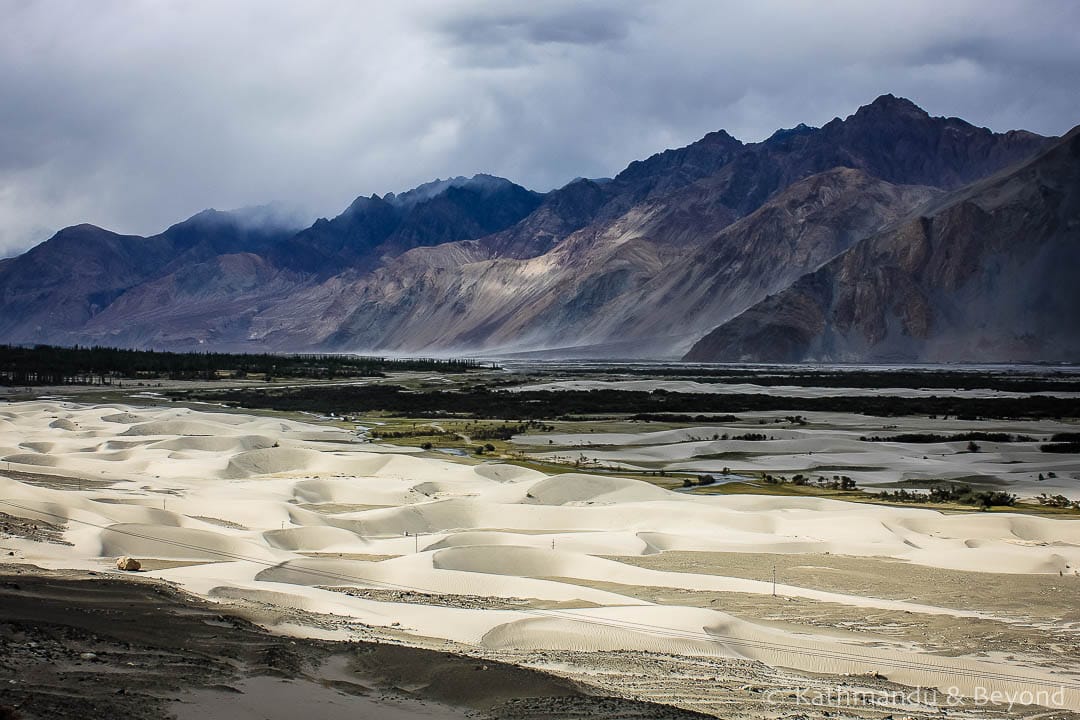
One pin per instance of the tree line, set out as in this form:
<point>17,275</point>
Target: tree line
<point>960,494</point>
<point>480,403</point>
<point>52,365</point>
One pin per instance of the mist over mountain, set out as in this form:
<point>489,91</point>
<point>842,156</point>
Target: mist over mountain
<point>769,250</point>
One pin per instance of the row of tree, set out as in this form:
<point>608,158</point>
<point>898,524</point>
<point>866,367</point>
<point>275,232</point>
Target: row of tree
<point>953,493</point>
<point>479,402</point>
<point>957,437</point>
<point>50,365</point>
<point>1058,501</point>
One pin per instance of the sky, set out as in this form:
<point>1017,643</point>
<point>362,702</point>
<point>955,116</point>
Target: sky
<point>134,115</point>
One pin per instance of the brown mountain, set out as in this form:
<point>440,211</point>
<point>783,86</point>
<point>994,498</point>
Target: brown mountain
<point>658,277</point>
<point>984,274</point>
<point>640,265</point>
<point>203,280</point>
<point>660,265</point>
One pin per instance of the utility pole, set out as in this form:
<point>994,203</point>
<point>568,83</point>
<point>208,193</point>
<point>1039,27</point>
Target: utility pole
<point>774,580</point>
<point>416,537</point>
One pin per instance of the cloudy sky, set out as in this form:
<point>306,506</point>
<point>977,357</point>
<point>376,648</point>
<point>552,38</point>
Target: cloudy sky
<point>133,115</point>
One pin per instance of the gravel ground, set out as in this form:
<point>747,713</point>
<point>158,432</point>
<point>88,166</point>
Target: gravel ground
<point>75,644</point>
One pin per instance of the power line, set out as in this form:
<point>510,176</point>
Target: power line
<point>646,628</point>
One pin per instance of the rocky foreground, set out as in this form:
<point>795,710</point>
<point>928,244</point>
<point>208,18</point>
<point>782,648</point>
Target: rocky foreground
<point>77,644</point>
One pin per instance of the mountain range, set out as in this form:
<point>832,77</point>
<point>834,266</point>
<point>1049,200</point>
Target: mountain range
<point>887,236</point>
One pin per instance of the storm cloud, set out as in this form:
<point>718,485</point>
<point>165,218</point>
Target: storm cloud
<point>134,115</point>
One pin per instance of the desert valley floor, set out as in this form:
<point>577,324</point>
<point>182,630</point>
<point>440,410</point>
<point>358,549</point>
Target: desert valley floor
<point>727,605</point>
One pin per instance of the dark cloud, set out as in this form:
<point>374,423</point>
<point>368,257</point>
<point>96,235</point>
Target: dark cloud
<point>133,115</point>
<point>517,28</point>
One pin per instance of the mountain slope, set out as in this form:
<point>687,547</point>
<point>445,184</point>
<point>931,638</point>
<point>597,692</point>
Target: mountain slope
<point>57,286</point>
<point>51,292</point>
<point>203,280</point>
<point>682,256</point>
<point>985,275</point>
<point>657,275</point>
<point>373,229</point>
<point>585,202</point>
<point>641,265</point>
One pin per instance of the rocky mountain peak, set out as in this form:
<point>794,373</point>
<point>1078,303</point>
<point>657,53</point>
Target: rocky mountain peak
<point>786,133</point>
<point>480,183</point>
<point>364,204</point>
<point>890,104</point>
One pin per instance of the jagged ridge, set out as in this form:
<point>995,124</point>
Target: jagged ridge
<point>641,265</point>
<point>984,275</point>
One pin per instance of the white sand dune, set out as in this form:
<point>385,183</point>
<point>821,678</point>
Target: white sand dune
<point>419,573</point>
<point>160,541</point>
<point>674,630</point>
<point>217,443</point>
<point>64,424</point>
<point>175,427</point>
<point>243,499</point>
<point>577,488</point>
<point>270,461</point>
<point>127,444</point>
<point>127,418</point>
<point>322,538</point>
<point>33,459</point>
<point>615,542</point>
<point>833,444</point>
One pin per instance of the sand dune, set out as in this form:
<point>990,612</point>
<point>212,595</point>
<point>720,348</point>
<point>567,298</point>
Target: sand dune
<point>217,444</point>
<point>576,488</point>
<point>833,443</point>
<point>418,572</point>
<point>313,539</point>
<point>127,418</point>
<point>537,562</point>
<point>174,427</point>
<point>160,541</point>
<point>270,461</point>
<point>234,502</point>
